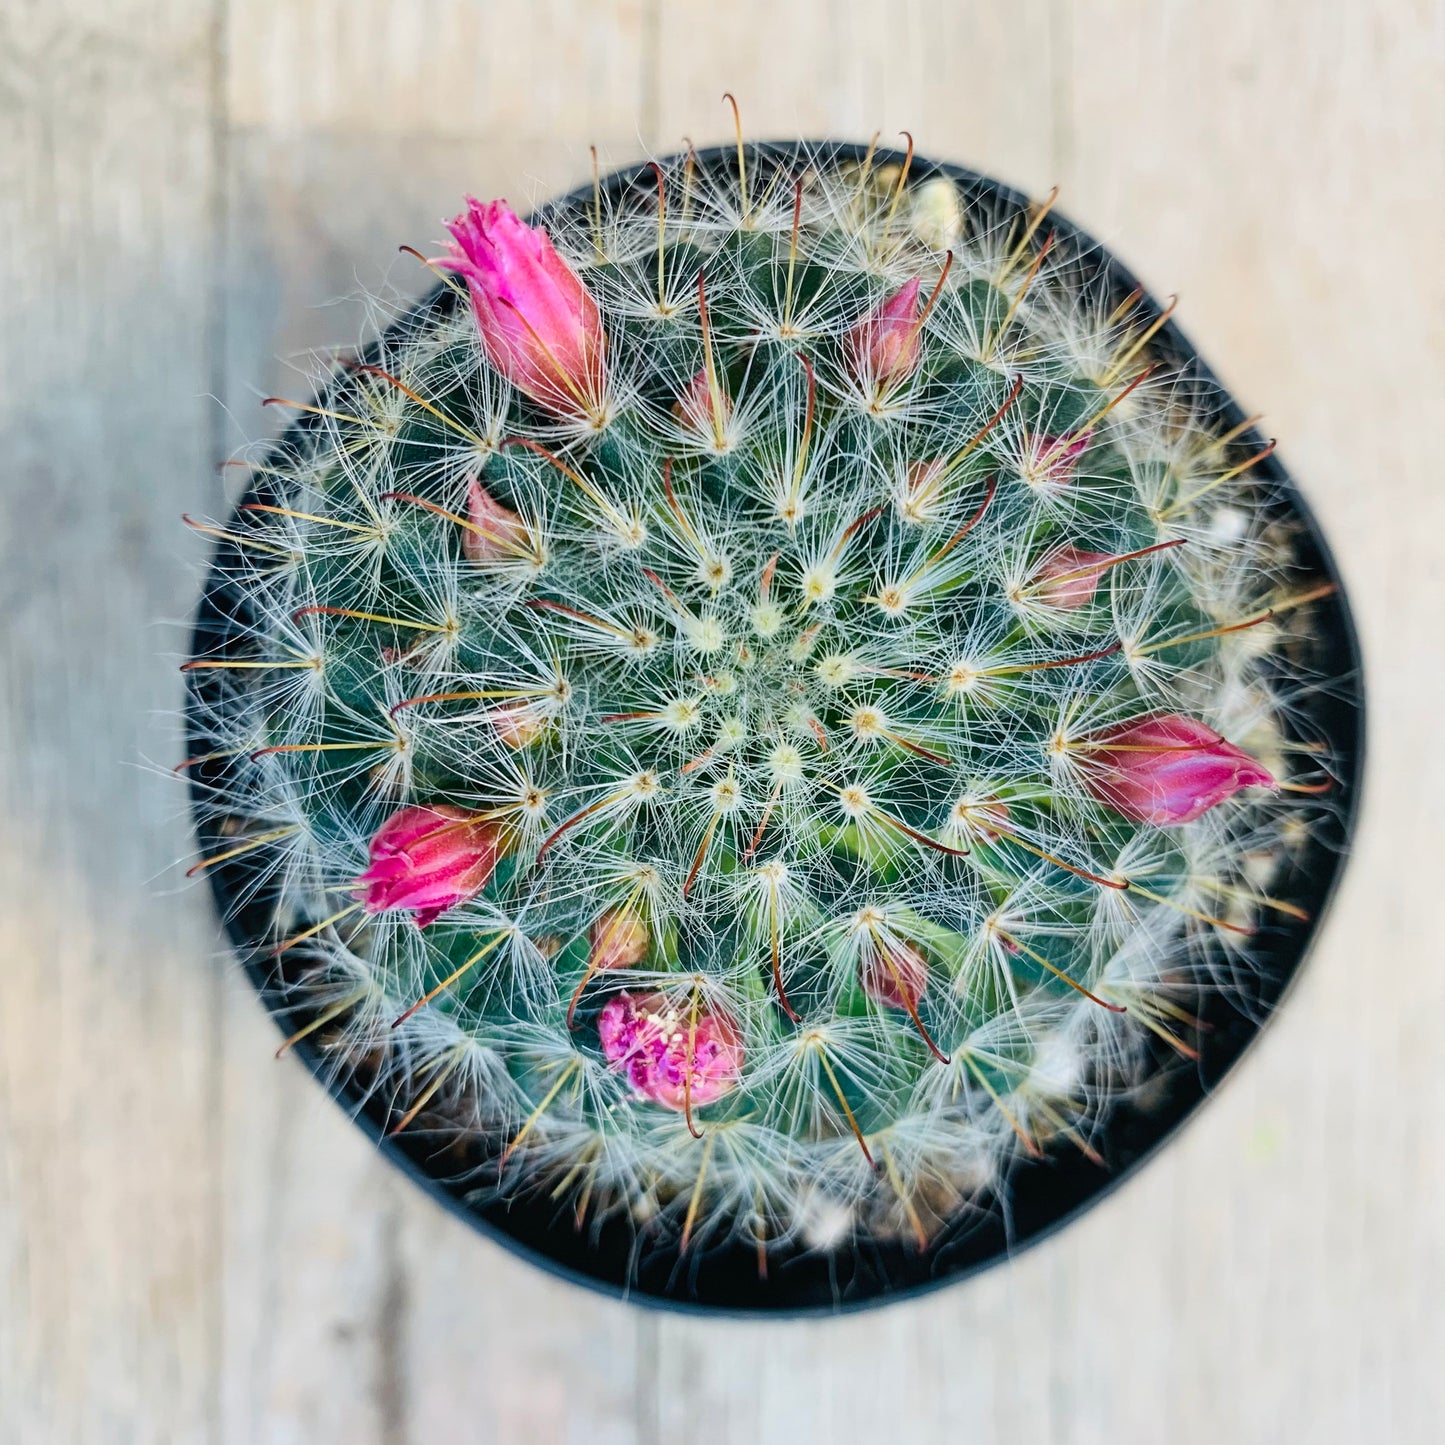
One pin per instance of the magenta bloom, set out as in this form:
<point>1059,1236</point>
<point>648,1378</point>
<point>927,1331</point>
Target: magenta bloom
<point>646,1038</point>
<point>496,531</point>
<point>1068,578</point>
<point>1167,769</point>
<point>894,974</point>
<point>428,858</point>
<point>883,347</point>
<point>1053,460</point>
<point>539,324</point>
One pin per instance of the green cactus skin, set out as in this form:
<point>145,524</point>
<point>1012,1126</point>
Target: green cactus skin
<point>785,710</point>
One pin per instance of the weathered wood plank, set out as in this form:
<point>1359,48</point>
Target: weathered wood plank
<point>109,1286</point>
<point>970,79</point>
<point>354,1308</point>
<point>1259,1282</point>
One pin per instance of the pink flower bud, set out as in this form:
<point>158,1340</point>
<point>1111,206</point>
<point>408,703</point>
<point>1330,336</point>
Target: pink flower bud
<point>986,819</point>
<point>540,327</point>
<point>922,491</point>
<point>517,724</point>
<point>1068,578</point>
<point>665,1054</point>
<point>924,476</point>
<point>883,347</point>
<point>1167,769</point>
<point>1052,460</point>
<point>428,858</point>
<point>496,531</point>
<point>894,974</point>
<point>694,406</point>
<point>619,939</point>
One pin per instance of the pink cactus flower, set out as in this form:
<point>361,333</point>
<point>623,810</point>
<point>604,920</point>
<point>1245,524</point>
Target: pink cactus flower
<point>496,532</point>
<point>1167,769</point>
<point>619,939</point>
<point>895,974</point>
<point>665,1055</point>
<point>883,347</point>
<point>426,859</point>
<point>1068,578</point>
<point>540,326</point>
<point>694,406</point>
<point>1051,461</point>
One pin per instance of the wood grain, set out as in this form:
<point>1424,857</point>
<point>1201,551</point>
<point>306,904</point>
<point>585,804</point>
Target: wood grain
<point>109,1155</point>
<point>194,1244</point>
<point>338,152</point>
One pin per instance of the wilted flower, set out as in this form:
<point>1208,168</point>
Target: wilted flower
<point>427,859</point>
<point>668,1055</point>
<point>539,324</point>
<point>1167,769</point>
<point>883,348</point>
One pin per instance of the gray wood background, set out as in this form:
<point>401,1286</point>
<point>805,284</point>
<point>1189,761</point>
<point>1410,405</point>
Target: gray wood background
<point>194,1245</point>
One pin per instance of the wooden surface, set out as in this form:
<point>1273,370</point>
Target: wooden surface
<point>195,1246</point>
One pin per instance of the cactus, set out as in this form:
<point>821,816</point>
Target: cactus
<point>764,700</point>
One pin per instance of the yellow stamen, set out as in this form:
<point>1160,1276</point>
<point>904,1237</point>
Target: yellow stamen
<point>1145,648</point>
<point>1037,219</point>
<point>993,1094</point>
<point>900,185</point>
<point>920,1235</point>
<point>403,622</point>
<point>1219,481</point>
<point>238,538</point>
<point>1187,911</point>
<point>742,163</point>
<point>197,665</point>
<point>436,270</point>
<point>996,336</point>
<point>1058,973</point>
<point>317,410</point>
<point>311,517</point>
<point>787,326</point>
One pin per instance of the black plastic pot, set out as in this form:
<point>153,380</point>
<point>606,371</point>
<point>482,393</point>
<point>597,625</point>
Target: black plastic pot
<point>1039,1196</point>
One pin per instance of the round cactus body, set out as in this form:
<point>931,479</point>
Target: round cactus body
<point>762,702</point>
